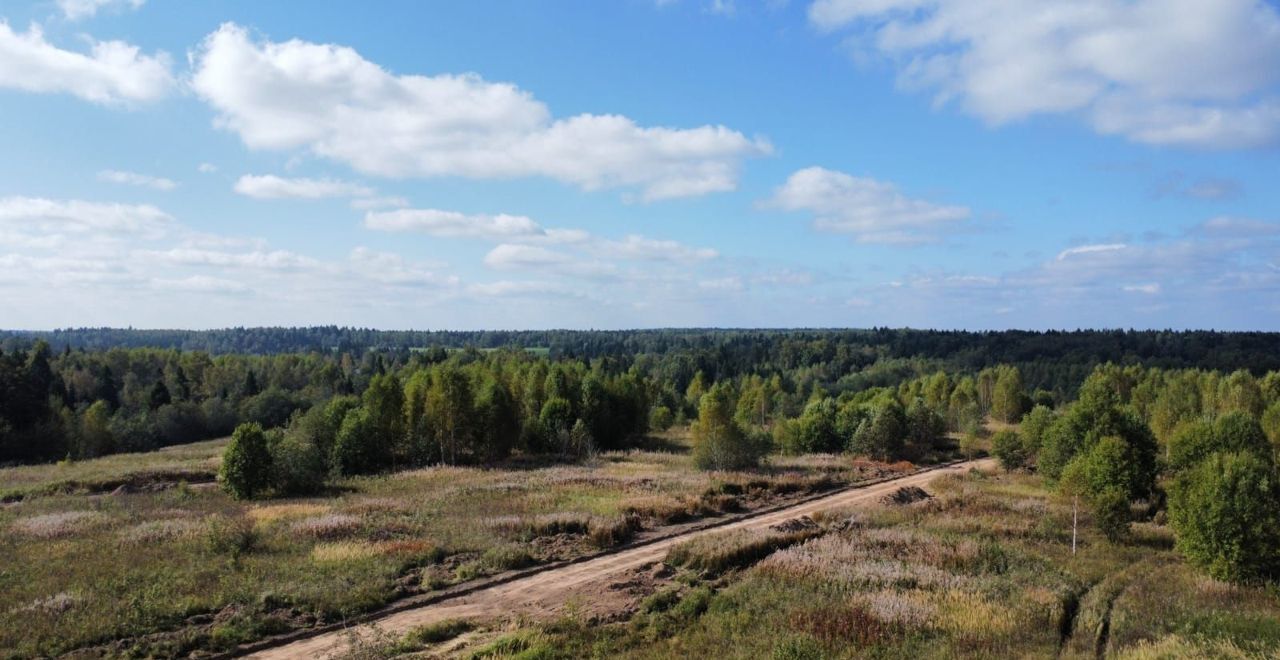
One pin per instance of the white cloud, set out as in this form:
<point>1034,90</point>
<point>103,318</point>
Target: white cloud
<point>648,249</point>
<point>135,179</point>
<point>114,72</point>
<point>261,260</point>
<point>373,203</point>
<point>1150,288</point>
<point>873,211</point>
<point>270,186</point>
<point>391,268</point>
<point>331,101</point>
<point>1090,249</point>
<point>518,289</point>
<point>1182,72</point>
<point>75,10</point>
<point>452,224</point>
<point>207,168</point>
<point>45,216</point>
<point>725,284</point>
<point>1240,227</point>
<point>201,284</point>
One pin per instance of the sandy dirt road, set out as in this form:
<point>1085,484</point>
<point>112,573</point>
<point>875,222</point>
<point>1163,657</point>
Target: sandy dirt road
<point>542,593</point>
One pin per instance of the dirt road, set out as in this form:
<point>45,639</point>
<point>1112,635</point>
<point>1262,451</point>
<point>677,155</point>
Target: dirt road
<point>543,592</point>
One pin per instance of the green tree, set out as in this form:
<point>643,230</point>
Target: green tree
<point>354,450</point>
<point>660,418</point>
<point>1225,513</point>
<point>1109,475</point>
<point>1008,396</point>
<point>925,427</point>
<point>246,462</point>
<point>450,410</point>
<point>95,434</point>
<point>1271,424</point>
<point>1034,425</point>
<point>718,442</point>
<point>817,428</point>
<point>298,466</point>
<point>882,435</point>
<point>497,422</point>
<point>1008,447</point>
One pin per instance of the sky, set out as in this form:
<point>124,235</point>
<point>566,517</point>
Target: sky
<point>971,164</point>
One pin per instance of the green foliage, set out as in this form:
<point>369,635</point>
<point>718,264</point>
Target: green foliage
<point>1034,426</point>
<point>816,431</point>
<point>298,465</point>
<point>1008,400</point>
<point>355,449</point>
<point>1271,424</point>
<point>1226,513</point>
<point>718,442</point>
<point>660,418</point>
<point>1110,474</point>
<point>1235,431</point>
<point>925,427</point>
<point>883,435</point>
<point>246,463</point>
<point>1008,447</point>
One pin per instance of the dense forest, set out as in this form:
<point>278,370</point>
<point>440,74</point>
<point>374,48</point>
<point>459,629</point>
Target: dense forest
<point>1055,360</point>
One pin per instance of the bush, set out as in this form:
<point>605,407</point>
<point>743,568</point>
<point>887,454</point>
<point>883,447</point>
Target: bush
<point>246,463</point>
<point>1226,515</point>
<point>660,418</point>
<point>297,463</point>
<point>1008,447</point>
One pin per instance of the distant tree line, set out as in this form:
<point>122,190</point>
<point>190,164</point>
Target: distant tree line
<point>1057,361</point>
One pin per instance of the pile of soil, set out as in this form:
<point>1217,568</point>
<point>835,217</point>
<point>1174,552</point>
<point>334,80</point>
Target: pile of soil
<point>905,495</point>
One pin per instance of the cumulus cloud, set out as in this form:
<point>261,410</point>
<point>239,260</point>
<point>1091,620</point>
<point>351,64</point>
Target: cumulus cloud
<point>521,229</point>
<point>329,100</point>
<point>257,259</point>
<point>872,211</point>
<point>452,224</point>
<point>373,203</point>
<point>1090,249</point>
<point>112,73</point>
<point>270,186</point>
<point>74,10</point>
<point>1180,72</point>
<point>135,179</point>
<point>36,215</point>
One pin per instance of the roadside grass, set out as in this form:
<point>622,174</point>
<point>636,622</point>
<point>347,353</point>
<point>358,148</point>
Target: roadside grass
<point>183,569</point>
<point>983,569</point>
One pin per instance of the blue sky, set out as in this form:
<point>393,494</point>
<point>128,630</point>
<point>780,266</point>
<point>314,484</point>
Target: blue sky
<point>641,163</point>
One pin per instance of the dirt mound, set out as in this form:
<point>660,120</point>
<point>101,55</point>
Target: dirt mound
<point>905,495</point>
<point>800,524</point>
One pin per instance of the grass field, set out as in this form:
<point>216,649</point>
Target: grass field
<point>984,569</point>
<point>177,568</point>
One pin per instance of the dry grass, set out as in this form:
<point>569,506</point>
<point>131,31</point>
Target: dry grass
<point>982,570</point>
<point>150,561</point>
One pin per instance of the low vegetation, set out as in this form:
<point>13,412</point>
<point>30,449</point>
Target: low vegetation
<point>983,569</point>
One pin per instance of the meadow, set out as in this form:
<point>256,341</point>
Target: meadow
<point>985,568</point>
<point>163,568</point>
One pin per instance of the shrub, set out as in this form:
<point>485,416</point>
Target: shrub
<point>298,465</point>
<point>1008,447</point>
<point>269,409</point>
<point>246,463</point>
<point>507,557</point>
<point>1226,514</point>
<point>660,418</point>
